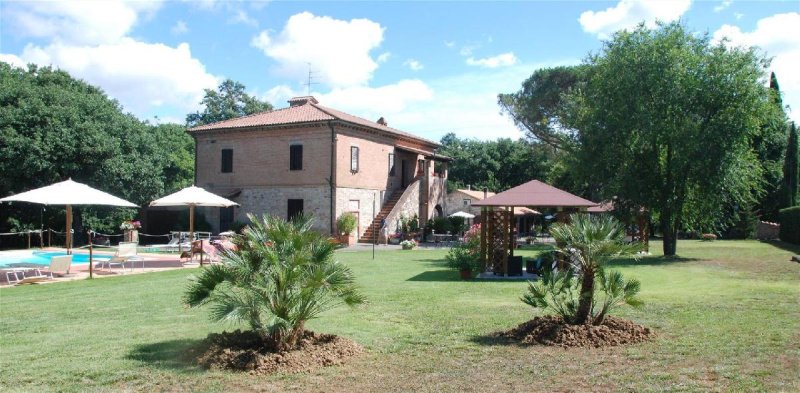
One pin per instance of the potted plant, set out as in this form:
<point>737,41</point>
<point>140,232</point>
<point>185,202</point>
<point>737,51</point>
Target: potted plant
<point>131,230</point>
<point>408,244</point>
<point>346,224</point>
<point>464,259</point>
<point>395,238</point>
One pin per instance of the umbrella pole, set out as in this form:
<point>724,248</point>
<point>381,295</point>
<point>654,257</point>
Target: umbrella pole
<point>191,233</point>
<point>69,229</point>
<point>91,263</point>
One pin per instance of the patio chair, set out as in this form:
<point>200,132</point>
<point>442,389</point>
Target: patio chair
<point>126,252</point>
<point>59,266</point>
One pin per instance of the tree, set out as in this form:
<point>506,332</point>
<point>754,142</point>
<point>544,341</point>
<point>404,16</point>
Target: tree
<point>770,147</point>
<point>666,123</point>
<point>53,127</point>
<point>540,107</point>
<point>588,242</point>
<point>282,275</point>
<point>791,169</point>
<point>229,101</point>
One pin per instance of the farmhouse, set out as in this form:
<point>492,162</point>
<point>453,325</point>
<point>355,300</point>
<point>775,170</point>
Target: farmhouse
<point>319,161</point>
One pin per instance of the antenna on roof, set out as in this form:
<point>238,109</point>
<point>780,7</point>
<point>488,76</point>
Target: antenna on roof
<point>310,78</point>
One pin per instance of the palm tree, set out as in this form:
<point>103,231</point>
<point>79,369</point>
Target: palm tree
<point>281,275</point>
<point>587,243</point>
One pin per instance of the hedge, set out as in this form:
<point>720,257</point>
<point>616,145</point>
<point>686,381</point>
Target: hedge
<point>790,224</point>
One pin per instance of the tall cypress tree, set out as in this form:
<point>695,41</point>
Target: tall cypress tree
<point>790,169</point>
<point>770,147</point>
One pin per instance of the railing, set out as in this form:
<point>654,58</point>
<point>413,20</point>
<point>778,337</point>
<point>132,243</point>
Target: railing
<point>394,215</point>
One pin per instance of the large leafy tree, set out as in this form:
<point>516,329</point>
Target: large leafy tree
<point>227,102</point>
<point>540,106</point>
<point>53,127</point>
<point>667,122</point>
<point>282,275</point>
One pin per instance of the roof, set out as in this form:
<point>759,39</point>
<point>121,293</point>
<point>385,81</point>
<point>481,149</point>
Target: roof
<point>475,194</point>
<point>603,207</point>
<point>305,110</point>
<point>524,211</point>
<point>535,193</point>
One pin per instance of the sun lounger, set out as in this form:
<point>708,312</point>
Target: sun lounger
<point>126,252</point>
<point>59,266</point>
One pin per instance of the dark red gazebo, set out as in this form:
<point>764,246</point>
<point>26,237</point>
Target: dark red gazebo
<point>497,214</point>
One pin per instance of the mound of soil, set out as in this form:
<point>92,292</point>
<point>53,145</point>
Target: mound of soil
<point>245,351</point>
<point>552,330</point>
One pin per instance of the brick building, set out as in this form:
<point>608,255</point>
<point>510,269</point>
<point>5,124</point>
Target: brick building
<point>319,161</point>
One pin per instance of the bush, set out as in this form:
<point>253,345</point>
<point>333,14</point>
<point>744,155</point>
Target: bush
<point>441,225</point>
<point>457,224</point>
<point>408,244</point>
<point>346,223</point>
<point>790,224</point>
<point>465,256</point>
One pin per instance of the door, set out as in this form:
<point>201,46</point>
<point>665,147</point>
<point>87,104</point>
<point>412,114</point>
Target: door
<point>354,207</point>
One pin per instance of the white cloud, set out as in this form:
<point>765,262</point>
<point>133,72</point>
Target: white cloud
<point>242,17</point>
<point>413,64</point>
<point>779,36</point>
<point>738,15</point>
<point>179,28</point>
<point>384,57</point>
<point>449,44</point>
<point>628,13</point>
<point>338,49</point>
<point>501,60</point>
<point>723,5</point>
<point>13,60</point>
<point>140,75</point>
<point>78,21</point>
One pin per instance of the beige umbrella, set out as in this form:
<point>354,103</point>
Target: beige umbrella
<point>68,193</point>
<point>193,196</point>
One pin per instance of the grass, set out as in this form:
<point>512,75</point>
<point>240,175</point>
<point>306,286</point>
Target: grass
<point>727,314</point>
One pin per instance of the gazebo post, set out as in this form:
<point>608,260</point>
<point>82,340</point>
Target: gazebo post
<point>507,242</point>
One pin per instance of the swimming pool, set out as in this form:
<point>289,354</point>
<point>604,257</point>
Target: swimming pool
<point>42,258</point>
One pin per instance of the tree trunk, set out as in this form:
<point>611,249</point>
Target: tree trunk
<point>670,240</point>
<point>587,297</point>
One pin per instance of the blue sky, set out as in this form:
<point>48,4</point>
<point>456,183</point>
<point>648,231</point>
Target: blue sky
<point>427,67</point>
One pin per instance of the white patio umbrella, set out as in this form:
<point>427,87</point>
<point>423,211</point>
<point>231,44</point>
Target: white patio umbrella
<point>462,214</point>
<point>193,196</point>
<point>68,193</point>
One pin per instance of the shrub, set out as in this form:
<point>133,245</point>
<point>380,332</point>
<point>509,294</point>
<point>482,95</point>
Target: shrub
<point>465,256</point>
<point>790,224</point>
<point>346,223</point>
<point>408,244</point>
<point>457,224</point>
<point>441,225</point>
<point>708,237</point>
<point>281,275</point>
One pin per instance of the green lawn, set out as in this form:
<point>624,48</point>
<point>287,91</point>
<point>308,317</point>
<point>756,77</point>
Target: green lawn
<point>727,314</point>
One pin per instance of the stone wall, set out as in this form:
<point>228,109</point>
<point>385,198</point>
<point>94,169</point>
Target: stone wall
<point>275,201</point>
<point>407,206</point>
<point>348,198</point>
<point>767,230</point>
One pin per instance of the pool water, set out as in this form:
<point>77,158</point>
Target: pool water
<point>43,258</point>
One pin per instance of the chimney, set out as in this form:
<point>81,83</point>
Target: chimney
<point>485,192</point>
<point>382,122</point>
<point>469,187</point>
<point>299,101</point>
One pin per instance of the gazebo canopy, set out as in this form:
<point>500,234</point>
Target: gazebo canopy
<point>535,193</point>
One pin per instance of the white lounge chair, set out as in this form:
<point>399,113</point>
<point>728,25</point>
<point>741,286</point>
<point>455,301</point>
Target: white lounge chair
<point>126,252</point>
<point>59,266</point>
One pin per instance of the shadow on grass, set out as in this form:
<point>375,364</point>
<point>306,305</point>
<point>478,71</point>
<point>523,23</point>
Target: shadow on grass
<point>179,355</point>
<point>792,248</point>
<point>436,275</point>
<point>650,261</point>
<point>494,339</point>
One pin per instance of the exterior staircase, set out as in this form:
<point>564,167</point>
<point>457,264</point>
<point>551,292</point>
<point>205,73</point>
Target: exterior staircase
<point>373,232</point>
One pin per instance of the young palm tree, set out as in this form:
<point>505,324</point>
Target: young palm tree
<point>588,242</point>
<point>281,275</point>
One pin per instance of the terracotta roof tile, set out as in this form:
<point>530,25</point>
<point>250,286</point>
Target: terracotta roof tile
<point>475,194</point>
<point>306,113</point>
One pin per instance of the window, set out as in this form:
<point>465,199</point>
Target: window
<point>467,202</point>
<point>225,218</point>
<point>227,160</point>
<point>354,159</point>
<point>296,157</point>
<point>391,164</point>
<point>295,208</point>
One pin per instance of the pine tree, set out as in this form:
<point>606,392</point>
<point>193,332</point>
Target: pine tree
<point>790,169</point>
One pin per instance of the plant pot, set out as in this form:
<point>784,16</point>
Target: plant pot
<point>394,240</point>
<point>465,274</point>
